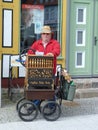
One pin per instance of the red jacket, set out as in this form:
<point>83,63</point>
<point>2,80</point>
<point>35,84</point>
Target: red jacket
<point>52,47</point>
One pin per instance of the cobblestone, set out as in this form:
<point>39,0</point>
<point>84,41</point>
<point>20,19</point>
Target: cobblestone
<point>83,106</point>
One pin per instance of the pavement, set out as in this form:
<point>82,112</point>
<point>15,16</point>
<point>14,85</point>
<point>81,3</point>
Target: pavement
<point>89,122</point>
<point>81,114</point>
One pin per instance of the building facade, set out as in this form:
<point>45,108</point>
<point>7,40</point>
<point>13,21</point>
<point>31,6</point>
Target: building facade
<point>74,23</point>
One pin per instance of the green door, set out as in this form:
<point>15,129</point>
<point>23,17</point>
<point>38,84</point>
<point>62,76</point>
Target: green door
<point>83,34</point>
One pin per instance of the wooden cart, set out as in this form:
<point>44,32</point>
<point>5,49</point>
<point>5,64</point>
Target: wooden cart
<point>39,80</point>
<point>39,88</point>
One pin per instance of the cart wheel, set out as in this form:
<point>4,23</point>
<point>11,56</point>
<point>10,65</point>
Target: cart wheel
<point>51,111</point>
<point>28,111</point>
<point>20,102</point>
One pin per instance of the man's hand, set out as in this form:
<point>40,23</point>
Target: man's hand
<point>49,54</point>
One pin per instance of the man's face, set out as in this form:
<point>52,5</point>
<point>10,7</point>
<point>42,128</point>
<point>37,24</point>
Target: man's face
<point>46,37</point>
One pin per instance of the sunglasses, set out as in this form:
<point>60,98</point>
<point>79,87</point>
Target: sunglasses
<point>45,33</point>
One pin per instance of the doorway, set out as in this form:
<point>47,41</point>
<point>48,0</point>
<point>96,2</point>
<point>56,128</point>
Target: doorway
<point>83,36</point>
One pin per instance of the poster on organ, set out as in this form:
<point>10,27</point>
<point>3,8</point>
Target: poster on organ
<point>32,16</point>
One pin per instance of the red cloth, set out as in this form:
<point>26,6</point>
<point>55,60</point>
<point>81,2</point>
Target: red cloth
<point>52,47</point>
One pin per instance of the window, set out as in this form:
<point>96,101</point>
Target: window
<point>80,37</point>
<point>7,0</point>
<point>81,16</point>
<point>7,27</point>
<point>80,59</point>
<point>35,14</point>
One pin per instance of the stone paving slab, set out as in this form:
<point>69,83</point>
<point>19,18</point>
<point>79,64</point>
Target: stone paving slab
<point>88,122</point>
<point>78,107</point>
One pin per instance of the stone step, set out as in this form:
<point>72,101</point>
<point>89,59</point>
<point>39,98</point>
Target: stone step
<point>86,93</point>
<point>86,83</point>
<point>86,87</point>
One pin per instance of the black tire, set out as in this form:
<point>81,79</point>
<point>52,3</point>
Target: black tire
<point>19,102</point>
<point>28,111</point>
<point>51,111</point>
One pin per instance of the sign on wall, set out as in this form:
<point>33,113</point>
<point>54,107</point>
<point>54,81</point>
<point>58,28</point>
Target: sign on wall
<point>33,14</point>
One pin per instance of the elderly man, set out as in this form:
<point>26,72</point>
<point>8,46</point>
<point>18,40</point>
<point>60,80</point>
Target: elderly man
<point>46,45</point>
